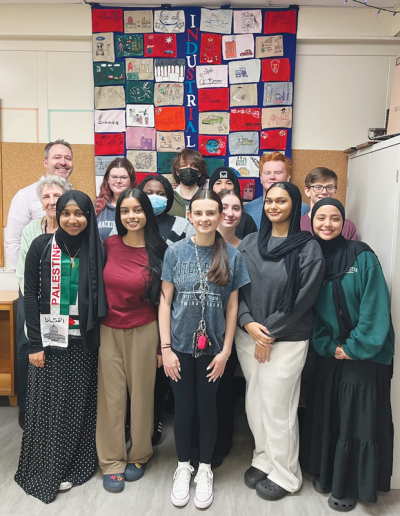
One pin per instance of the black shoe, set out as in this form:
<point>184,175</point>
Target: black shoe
<point>317,486</point>
<point>342,504</point>
<point>252,476</point>
<point>269,490</point>
<point>21,419</point>
<point>157,433</point>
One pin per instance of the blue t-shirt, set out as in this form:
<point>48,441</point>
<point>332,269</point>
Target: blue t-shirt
<point>180,269</point>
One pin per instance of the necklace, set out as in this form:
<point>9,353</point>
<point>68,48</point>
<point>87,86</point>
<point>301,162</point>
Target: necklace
<point>72,258</point>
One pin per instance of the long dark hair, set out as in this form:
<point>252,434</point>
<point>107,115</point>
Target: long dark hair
<point>105,194</point>
<point>219,268</point>
<point>155,245</point>
<point>224,193</point>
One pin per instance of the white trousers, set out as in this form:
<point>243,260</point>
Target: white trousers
<point>272,398</point>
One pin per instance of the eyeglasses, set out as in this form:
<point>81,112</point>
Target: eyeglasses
<point>121,178</point>
<point>320,188</point>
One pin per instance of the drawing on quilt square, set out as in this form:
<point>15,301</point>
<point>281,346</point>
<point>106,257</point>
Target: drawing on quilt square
<point>210,49</point>
<point>248,21</point>
<point>213,99</point>
<point>269,46</point>
<point>143,161</point>
<point>245,142</point>
<point>101,163</point>
<point>277,117</point>
<point>214,122</point>
<point>247,166</point>
<point>109,121</point>
<point>212,145</point>
<point>169,70</point>
<point>212,76</point>
<point>138,21</point>
<point>107,74</point>
<point>107,20</point>
<point>139,92</point>
<point>170,141</point>
<point>160,45</point>
<point>140,115</point>
<point>276,139</point>
<point>168,94</point>
<point>129,45</point>
<point>244,71</point>
<point>141,139</point>
<point>103,47</point>
<point>167,21</point>
<point>245,119</point>
<point>107,144</point>
<point>216,20</point>
<point>278,93</point>
<point>139,69</point>
<point>243,95</point>
<point>109,97</point>
<point>238,46</point>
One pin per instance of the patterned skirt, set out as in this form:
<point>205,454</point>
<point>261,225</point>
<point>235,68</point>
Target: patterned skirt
<point>58,443</point>
<point>347,434</point>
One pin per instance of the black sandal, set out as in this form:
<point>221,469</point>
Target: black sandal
<point>317,486</point>
<point>345,504</point>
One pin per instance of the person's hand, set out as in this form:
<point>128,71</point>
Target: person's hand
<point>171,364</point>
<point>343,355</point>
<point>263,354</point>
<point>159,361</point>
<point>218,367</point>
<point>37,359</point>
<point>338,353</point>
<point>258,333</point>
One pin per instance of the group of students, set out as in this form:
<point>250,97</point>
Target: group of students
<point>188,294</point>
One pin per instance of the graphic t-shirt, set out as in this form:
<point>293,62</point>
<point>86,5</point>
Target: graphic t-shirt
<point>180,268</point>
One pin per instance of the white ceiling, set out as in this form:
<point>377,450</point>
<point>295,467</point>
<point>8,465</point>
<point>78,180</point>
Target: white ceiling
<point>390,4</point>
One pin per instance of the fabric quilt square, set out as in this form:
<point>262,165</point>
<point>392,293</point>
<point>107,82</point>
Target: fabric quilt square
<point>109,97</point>
<point>139,69</point>
<point>110,121</point>
<point>247,189</point>
<point>169,70</point>
<point>107,20</point>
<point>139,92</point>
<point>244,95</point>
<point>244,142</point>
<point>276,117</point>
<point>210,49</point>
<point>107,74</point>
<point>137,22</point>
<point>213,164</point>
<point>172,141</point>
<point>246,119</point>
<point>168,94</point>
<point>140,115</point>
<point>248,21</point>
<point>160,45</point>
<point>103,47</point>
<point>216,20</point>
<point>275,69</point>
<point>129,45</point>
<point>244,71</point>
<point>277,93</point>
<point>101,163</point>
<point>170,118</point>
<point>141,139</point>
<point>213,100</point>
<point>276,139</point>
<point>214,122</point>
<point>167,21</point>
<point>212,145</point>
<point>105,144</point>
<point>165,160</point>
<point>247,166</point>
<point>143,161</point>
<point>276,22</point>
<point>212,76</point>
<point>238,46</point>
<point>269,46</point>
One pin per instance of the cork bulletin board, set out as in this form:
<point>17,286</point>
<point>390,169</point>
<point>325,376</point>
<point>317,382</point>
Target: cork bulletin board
<point>22,165</point>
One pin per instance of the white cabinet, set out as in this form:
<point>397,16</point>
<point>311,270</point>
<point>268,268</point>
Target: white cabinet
<point>372,203</point>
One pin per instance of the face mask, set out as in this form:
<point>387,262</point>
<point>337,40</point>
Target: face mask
<point>159,203</point>
<point>188,176</point>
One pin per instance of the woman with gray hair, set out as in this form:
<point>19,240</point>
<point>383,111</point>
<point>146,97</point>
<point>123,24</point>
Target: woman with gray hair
<point>49,189</point>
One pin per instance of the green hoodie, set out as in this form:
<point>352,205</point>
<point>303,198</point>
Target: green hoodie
<point>368,302</point>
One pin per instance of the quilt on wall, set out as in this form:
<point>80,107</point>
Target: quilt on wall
<point>219,81</point>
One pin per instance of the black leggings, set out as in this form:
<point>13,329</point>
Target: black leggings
<point>191,391</point>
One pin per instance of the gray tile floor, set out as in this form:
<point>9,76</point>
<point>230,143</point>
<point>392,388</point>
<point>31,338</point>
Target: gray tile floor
<point>151,495</point>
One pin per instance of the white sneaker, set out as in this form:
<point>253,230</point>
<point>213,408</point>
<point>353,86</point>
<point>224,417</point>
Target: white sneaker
<point>65,486</point>
<point>204,487</point>
<point>180,490</point>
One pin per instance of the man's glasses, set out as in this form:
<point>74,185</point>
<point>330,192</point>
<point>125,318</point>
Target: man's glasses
<point>320,188</point>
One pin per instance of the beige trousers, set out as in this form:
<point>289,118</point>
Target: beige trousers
<point>127,360</point>
<point>272,398</point>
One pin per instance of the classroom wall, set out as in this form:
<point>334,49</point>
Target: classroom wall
<point>345,60</point>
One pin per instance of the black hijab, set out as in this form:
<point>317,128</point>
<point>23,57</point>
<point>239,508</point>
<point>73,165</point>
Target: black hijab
<point>91,294</point>
<point>339,254</point>
<point>289,249</point>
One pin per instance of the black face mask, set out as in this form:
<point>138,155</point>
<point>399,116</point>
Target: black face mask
<point>188,176</point>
